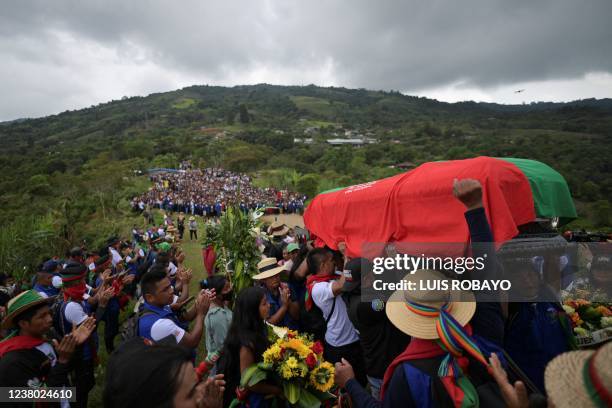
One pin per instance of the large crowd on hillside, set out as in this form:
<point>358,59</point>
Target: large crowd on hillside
<point>210,191</point>
<point>426,350</point>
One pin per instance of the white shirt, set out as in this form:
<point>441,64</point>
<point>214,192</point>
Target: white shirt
<point>164,328</point>
<point>74,313</point>
<point>172,269</point>
<point>340,330</point>
<point>116,257</point>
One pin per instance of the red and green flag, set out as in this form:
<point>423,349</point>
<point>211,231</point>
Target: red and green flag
<point>418,206</point>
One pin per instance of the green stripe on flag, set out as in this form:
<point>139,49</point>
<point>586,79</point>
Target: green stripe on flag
<point>551,195</point>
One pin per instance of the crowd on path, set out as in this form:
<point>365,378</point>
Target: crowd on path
<point>208,192</point>
<point>420,349</point>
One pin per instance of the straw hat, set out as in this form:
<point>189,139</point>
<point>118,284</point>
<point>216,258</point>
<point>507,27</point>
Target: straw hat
<point>171,228</point>
<point>278,229</point>
<point>192,218</point>
<point>21,303</point>
<point>461,305</point>
<point>268,267</point>
<point>566,377</point>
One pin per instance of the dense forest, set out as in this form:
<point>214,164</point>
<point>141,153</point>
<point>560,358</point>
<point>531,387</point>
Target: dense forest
<point>70,175</point>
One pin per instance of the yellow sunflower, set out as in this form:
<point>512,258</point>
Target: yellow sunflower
<point>322,377</point>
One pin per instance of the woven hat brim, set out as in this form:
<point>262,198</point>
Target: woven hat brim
<point>7,323</point>
<point>268,274</point>
<point>462,309</point>
<point>564,382</point>
<point>280,232</point>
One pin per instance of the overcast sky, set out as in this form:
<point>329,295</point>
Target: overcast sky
<point>57,55</point>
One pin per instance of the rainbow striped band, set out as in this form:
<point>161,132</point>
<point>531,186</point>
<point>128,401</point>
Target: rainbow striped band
<point>453,337</point>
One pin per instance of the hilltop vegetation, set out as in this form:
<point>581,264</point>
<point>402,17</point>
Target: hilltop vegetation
<point>78,166</point>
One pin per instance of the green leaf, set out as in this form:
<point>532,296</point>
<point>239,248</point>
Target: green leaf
<point>308,400</point>
<point>252,376</point>
<point>291,391</point>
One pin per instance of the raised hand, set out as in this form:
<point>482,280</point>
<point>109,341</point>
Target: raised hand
<point>65,348</point>
<point>105,295</point>
<point>469,192</point>
<point>202,303</point>
<point>211,392</point>
<point>514,396</point>
<point>127,279</point>
<point>106,275</point>
<point>343,372</point>
<point>84,330</point>
<point>284,295</point>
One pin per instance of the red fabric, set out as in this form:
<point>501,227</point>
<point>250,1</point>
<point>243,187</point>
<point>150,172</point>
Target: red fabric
<point>19,343</point>
<point>310,282</point>
<point>417,349</point>
<point>419,206</point>
<point>75,292</point>
<point>210,257</point>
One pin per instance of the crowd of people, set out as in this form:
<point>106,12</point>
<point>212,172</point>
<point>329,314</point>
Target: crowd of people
<point>438,348</point>
<point>208,192</point>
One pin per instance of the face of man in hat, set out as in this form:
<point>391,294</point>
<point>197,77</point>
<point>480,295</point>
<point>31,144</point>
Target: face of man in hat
<point>272,283</point>
<point>39,324</point>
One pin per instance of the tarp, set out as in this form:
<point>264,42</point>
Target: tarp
<point>419,206</point>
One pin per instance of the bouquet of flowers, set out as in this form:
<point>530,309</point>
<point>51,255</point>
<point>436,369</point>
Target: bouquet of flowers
<point>591,321</point>
<point>295,362</point>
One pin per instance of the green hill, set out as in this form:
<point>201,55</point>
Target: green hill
<point>77,167</point>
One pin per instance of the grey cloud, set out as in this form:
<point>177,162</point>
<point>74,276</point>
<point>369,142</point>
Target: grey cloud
<point>405,45</point>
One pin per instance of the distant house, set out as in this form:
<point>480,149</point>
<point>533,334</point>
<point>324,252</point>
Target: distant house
<point>307,140</point>
<point>351,142</point>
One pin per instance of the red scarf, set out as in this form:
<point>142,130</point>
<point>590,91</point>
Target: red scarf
<point>19,343</point>
<point>417,349</point>
<point>75,292</point>
<point>310,282</point>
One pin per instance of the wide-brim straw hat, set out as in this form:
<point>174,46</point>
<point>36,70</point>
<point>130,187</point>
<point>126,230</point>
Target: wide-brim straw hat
<point>192,218</point>
<point>565,376</point>
<point>278,229</point>
<point>21,303</point>
<point>268,267</point>
<point>461,305</point>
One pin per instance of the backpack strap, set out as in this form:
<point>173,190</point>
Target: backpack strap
<point>331,312</point>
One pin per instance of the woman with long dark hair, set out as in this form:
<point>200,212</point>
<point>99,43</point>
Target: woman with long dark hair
<point>142,375</point>
<point>244,346</point>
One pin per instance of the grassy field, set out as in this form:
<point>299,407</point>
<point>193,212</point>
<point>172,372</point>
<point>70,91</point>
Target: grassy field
<point>317,106</point>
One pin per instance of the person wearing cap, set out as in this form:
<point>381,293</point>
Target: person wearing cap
<point>283,311</point>
<point>290,253</point>
<point>74,311</point>
<point>277,230</point>
<point>380,339</point>
<point>44,279</point>
<point>425,372</point>
<point>27,358</point>
<point>193,228</point>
